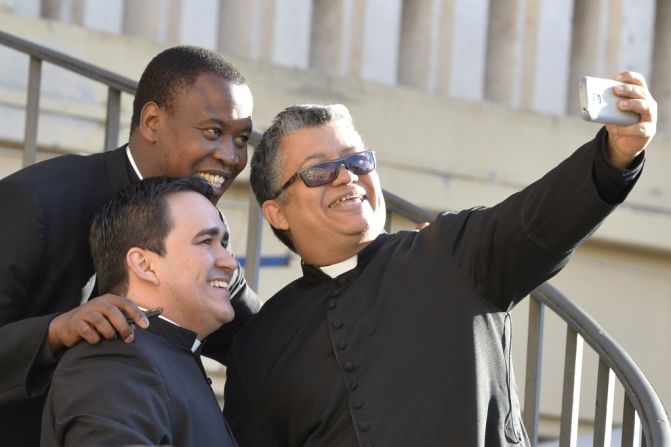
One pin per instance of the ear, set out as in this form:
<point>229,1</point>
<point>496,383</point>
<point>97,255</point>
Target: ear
<point>150,119</point>
<point>274,213</point>
<point>139,262</point>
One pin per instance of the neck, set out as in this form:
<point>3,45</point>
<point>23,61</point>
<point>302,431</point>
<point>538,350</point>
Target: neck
<point>139,150</point>
<point>332,255</point>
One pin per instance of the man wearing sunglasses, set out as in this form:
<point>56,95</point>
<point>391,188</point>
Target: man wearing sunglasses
<point>404,339</point>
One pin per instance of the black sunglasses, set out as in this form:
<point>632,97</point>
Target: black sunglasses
<point>325,172</point>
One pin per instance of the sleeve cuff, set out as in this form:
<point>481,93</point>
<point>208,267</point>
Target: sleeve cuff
<point>613,184</point>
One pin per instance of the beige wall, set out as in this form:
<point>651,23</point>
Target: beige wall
<point>464,154</point>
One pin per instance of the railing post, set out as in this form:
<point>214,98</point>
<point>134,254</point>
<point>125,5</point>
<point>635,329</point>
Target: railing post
<point>631,424</point>
<point>32,111</point>
<point>112,119</point>
<point>532,388</point>
<point>253,254</point>
<point>568,432</point>
<point>603,418</point>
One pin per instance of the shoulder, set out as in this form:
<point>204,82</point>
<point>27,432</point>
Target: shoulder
<point>51,175</point>
<point>108,358</point>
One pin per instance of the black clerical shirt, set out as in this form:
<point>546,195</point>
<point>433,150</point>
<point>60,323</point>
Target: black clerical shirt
<point>412,347</point>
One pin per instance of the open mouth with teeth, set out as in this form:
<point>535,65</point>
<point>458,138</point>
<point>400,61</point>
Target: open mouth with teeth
<point>215,180</point>
<point>219,284</point>
<point>354,197</point>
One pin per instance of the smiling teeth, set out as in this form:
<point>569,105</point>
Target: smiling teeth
<point>219,284</point>
<point>214,180</point>
<point>346,198</point>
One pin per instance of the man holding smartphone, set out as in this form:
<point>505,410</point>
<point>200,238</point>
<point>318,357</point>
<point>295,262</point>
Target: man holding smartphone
<point>404,339</point>
<point>163,244</point>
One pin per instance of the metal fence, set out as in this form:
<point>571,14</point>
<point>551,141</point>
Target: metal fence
<point>644,416</point>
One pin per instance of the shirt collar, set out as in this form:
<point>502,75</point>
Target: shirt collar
<point>183,336</point>
<point>315,275</point>
<point>338,269</point>
<point>132,162</point>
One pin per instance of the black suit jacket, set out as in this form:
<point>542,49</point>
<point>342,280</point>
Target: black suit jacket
<point>149,392</point>
<point>45,214</point>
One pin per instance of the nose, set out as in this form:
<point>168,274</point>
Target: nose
<point>227,153</point>
<point>345,176</point>
<point>225,259</point>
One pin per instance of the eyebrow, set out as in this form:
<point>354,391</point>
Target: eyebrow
<point>319,157</point>
<point>230,123</point>
<point>213,231</point>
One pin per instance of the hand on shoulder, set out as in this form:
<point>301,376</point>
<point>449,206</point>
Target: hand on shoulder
<point>104,317</point>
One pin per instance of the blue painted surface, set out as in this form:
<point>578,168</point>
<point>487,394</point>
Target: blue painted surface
<point>268,261</point>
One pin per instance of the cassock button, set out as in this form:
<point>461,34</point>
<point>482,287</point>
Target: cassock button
<point>340,281</point>
<point>353,386</point>
<point>209,381</point>
<point>357,404</point>
<point>364,426</point>
<point>332,303</point>
<point>349,366</point>
<point>341,345</point>
<point>338,324</point>
<point>335,293</point>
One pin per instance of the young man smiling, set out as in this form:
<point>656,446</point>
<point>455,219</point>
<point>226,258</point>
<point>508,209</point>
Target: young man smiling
<point>161,243</point>
<point>404,339</point>
<point>191,116</point>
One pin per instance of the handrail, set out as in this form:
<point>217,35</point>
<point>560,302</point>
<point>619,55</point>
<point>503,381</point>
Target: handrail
<point>111,79</point>
<point>639,394</point>
<point>654,417</point>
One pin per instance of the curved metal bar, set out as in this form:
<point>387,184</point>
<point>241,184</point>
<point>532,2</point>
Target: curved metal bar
<point>654,417</point>
<point>85,69</point>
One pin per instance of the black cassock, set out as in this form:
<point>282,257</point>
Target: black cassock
<point>412,347</point>
<point>149,392</point>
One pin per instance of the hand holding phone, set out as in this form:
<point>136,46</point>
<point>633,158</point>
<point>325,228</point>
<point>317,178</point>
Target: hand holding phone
<point>598,102</point>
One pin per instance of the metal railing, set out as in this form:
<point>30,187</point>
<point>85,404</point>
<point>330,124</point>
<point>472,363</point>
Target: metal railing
<point>643,411</point>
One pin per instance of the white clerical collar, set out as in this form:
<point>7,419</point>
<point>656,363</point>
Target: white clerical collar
<point>341,267</point>
<point>132,162</point>
<point>196,342</point>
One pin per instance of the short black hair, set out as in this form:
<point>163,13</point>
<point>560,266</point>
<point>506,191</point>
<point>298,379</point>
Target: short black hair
<point>137,216</point>
<point>174,69</point>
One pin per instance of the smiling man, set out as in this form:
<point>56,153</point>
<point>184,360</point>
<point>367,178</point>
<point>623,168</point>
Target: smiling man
<point>404,339</point>
<point>162,244</point>
<point>191,116</point>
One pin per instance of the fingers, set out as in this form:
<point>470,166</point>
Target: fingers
<point>644,130</point>
<point>636,98</point>
<point>632,77</point>
<point>129,308</point>
<point>101,318</point>
<point>647,108</point>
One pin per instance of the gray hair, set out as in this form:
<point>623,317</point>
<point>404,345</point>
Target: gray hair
<point>266,164</point>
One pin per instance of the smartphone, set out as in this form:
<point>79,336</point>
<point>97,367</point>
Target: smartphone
<point>598,102</point>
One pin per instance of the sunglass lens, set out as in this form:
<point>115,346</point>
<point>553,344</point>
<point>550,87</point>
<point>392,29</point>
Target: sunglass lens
<point>361,163</point>
<point>318,175</point>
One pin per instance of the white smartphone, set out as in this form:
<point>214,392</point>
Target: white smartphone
<point>598,102</point>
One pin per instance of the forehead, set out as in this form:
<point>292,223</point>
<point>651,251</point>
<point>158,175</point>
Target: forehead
<point>317,143</point>
<point>213,94</point>
<point>191,212</point>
